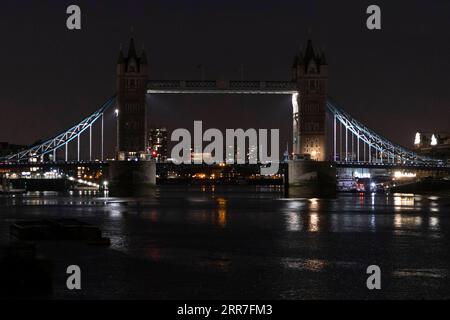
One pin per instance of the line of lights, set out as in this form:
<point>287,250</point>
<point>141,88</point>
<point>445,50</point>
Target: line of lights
<point>92,184</point>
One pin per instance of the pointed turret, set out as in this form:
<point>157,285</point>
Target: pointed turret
<point>132,50</point>
<point>143,58</point>
<point>309,53</point>
<point>121,58</point>
<point>295,62</point>
<point>309,57</point>
<point>300,57</point>
<point>323,60</point>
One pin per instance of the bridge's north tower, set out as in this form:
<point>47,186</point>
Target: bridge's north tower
<point>131,91</point>
<point>310,71</point>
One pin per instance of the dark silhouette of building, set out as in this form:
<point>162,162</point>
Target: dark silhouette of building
<point>7,148</point>
<point>158,143</point>
<point>310,71</point>
<point>131,89</point>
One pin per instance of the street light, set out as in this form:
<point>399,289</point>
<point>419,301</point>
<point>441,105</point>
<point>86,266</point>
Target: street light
<point>117,130</point>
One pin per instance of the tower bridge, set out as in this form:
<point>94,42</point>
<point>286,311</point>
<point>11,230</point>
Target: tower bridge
<point>316,144</point>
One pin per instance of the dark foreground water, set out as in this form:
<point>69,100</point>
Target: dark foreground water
<point>247,242</point>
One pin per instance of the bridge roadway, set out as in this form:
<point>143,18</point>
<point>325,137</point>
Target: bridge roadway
<point>57,164</point>
<point>385,165</point>
<point>168,165</point>
<point>222,86</point>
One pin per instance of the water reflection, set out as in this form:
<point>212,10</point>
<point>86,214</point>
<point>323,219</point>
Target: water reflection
<point>403,201</point>
<point>222,212</point>
<point>427,273</point>
<point>154,252</point>
<point>115,214</point>
<point>293,221</point>
<point>434,223</point>
<point>404,221</point>
<point>397,213</point>
<point>313,204</point>
<point>313,222</point>
<point>360,213</point>
<point>315,265</point>
<point>373,224</point>
<point>154,216</point>
<point>200,217</point>
<point>220,262</point>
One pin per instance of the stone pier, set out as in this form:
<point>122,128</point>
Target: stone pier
<point>131,177</point>
<point>311,178</point>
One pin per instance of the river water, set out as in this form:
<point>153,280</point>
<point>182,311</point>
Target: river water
<point>246,242</point>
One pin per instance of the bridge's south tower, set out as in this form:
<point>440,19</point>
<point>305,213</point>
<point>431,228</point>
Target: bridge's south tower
<point>131,90</point>
<point>310,71</point>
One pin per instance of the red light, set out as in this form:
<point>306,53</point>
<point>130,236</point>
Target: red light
<point>154,153</point>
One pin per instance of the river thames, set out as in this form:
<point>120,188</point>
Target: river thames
<point>246,242</point>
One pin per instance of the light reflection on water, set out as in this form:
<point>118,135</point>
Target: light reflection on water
<point>293,221</point>
<point>403,201</point>
<point>397,213</point>
<point>222,212</point>
<point>237,231</point>
<point>360,213</point>
<point>313,222</point>
<point>314,265</point>
<point>426,273</point>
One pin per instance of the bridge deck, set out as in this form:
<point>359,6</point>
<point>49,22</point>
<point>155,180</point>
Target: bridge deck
<point>221,86</point>
<point>339,164</point>
<point>385,165</point>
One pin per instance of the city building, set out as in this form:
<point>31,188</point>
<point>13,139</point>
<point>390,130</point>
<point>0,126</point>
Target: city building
<point>433,144</point>
<point>7,148</point>
<point>158,143</point>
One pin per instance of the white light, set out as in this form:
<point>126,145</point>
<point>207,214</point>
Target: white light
<point>417,138</point>
<point>433,140</point>
<point>295,102</point>
<point>399,174</point>
<point>117,112</point>
<point>358,174</point>
<point>105,183</point>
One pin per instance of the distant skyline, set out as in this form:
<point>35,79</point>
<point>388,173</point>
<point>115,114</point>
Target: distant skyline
<point>395,80</point>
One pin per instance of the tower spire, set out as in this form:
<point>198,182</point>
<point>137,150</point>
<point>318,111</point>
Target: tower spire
<point>143,58</point>
<point>121,58</point>
<point>132,49</point>
<point>309,53</point>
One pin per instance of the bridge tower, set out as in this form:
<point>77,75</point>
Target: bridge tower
<point>310,71</point>
<point>131,177</point>
<point>131,91</point>
<point>315,176</point>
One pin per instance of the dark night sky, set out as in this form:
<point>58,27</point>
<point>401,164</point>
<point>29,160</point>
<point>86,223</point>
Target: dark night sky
<point>395,80</point>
